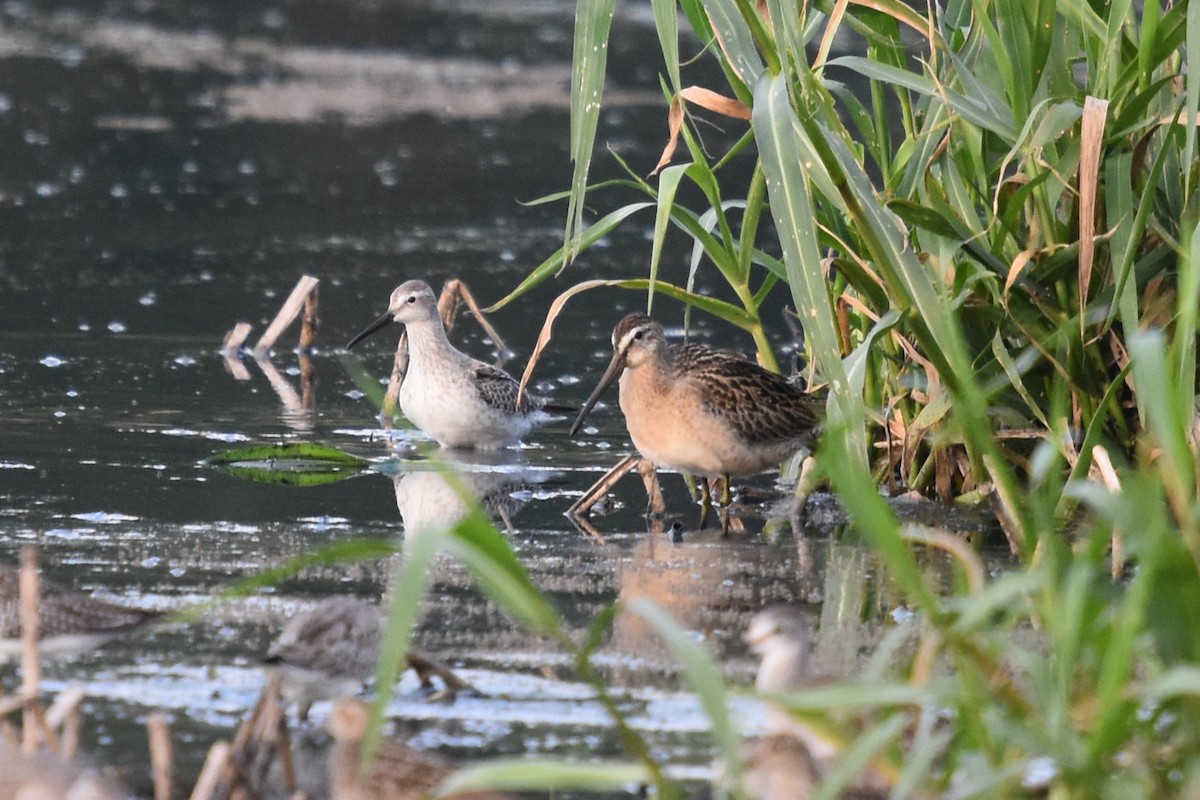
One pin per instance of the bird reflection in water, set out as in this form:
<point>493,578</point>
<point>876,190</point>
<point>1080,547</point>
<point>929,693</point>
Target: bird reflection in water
<point>443,493</point>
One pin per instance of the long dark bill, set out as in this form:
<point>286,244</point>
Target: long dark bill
<point>615,367</point>
<point>378,324</point>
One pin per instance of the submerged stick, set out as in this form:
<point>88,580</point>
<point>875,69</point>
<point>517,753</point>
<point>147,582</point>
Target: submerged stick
<point>30,668</point>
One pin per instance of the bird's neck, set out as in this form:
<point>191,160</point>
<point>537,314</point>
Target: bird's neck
<point>427,341</point>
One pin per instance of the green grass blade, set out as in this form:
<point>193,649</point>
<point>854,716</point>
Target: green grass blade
<point>408,587</point>
<point>556,262</point>
<point>500,574</point>
<point>737,40</point>
<point>593,20</point>
<point>702,676</point>
<point>666,22</point>
<point>543,775</point>
<point>778,132</point>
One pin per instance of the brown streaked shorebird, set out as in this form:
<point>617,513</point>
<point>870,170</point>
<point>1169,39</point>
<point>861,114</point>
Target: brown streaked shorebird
<point>458,400</point>
<point>397,772</point>
<point>71,622</point>
<point>332,649</point>
<point>700,411</point>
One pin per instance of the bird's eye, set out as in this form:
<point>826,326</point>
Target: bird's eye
<point>639,334</point>
<point>412,298</point>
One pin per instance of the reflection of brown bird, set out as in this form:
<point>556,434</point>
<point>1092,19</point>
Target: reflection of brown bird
<point>700,411</point>
<point>70,622</point>
<point>787,763</point>
<point>333,648</point>
<point>397,772</point>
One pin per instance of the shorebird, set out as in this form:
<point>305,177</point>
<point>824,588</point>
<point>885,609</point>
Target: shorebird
<point>397,771</point>
<point>791,759</point>
<point>458,400</point>
<point>704,412</point>
<point>70,622</point>
<point>333,648</point>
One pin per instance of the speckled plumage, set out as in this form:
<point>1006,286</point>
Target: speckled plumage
<point>458,400</point>
<point>70,621</point>
<point>703,411</point>
<point>327,650</point>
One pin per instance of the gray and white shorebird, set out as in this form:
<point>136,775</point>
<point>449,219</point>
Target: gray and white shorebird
<point>458,400</point>
<point>70,622</point>
<point>700,411</point>
<point>791,759</point>
<point>332,649</point>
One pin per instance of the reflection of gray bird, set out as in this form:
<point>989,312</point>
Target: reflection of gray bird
<point>333,648</point>
<point>70,622</point>
<point>430,498</point>
<point>700,411</point>
<point>788,763</point>
<point>397,772</point>
<point>456,399</point>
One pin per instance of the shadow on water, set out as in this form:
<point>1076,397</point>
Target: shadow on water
<point>173,168</point>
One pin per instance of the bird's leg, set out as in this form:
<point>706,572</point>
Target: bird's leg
<point>655,505</point>
<point>727,492</point>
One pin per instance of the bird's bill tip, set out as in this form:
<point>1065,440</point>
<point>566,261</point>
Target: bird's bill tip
<point>614,369</point>
<point>384,320</point>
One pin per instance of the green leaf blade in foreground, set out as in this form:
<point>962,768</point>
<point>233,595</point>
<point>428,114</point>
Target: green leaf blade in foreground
<point>777,131</point>
<point>500,574</point>
<point>408,587</point>
<point>703,677</point>
<point>531,775</point>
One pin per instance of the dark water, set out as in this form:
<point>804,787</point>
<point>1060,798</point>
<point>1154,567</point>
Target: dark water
<point>171,169</point>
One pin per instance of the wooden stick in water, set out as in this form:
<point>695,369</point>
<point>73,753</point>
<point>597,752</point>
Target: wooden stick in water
<point>30,669</point>
<point>308,325</point>
<point>216,766</point>
<point>290,310</point>
<point>64,714</point>
<point>162,755</point>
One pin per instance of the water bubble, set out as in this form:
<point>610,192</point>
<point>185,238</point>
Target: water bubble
<point>355,394</point>
<point>60,414</point>
<point>72,56</point>
<point>36,137</point>
<point>84,327</point>
<point>185,361</point>
<point>5,103</point>
<point>149,563</point>
<point>116,326</point>
<point>508,255</point>
<point>119,191</point>
<point>72,393</point>
<point>47,189</point>
<point>52,361</point>
<point>191,167</point>
<point>149,298</point>
<point>247,167</point>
